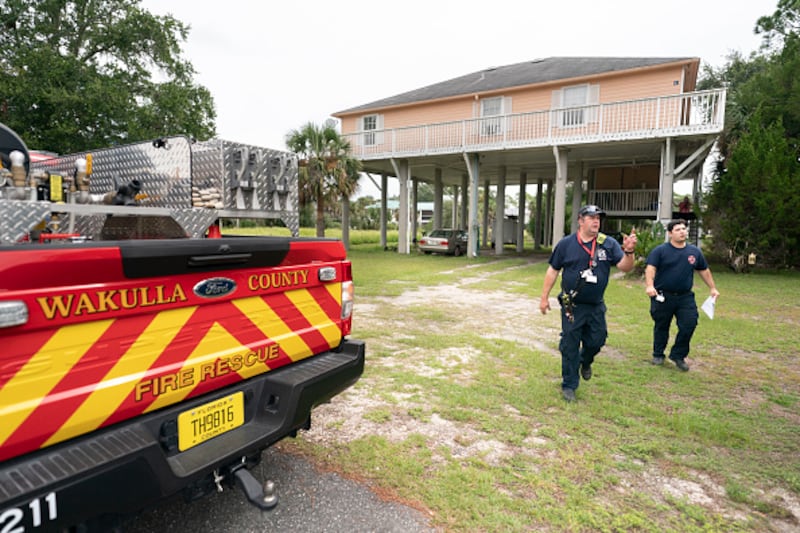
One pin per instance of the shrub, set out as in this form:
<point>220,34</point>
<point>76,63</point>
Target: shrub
<point>647,239</point>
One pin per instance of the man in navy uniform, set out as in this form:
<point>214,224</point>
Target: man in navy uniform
<point>669,277</point>
<point>585,257</point>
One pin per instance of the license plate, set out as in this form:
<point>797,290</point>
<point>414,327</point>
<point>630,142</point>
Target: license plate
<point>209,420</point>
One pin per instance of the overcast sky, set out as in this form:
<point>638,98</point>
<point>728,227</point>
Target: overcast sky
<point>273,66</point>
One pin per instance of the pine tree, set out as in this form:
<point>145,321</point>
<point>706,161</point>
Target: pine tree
<point>753,204</point>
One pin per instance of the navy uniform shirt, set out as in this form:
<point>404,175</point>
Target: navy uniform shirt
<point>570,256</point>
<point>675,266</point>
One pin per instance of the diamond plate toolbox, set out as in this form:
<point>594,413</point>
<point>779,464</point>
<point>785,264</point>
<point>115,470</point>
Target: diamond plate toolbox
<point>193,182</point>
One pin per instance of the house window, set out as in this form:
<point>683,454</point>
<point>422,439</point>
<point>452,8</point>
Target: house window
<point>491,107</point>
<point>369,124</point>
<point>371,128</point>
<point>578,105</point>
<point>574,97</point>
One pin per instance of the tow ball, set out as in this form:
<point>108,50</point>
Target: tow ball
<point>262,496</point>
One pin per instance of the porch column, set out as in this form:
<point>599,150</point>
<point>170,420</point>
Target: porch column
<point>346,222</point>
<point>384,189</point>
<point>472,228</point>
<point>454,214</point>
<point>414,210</point>
<point>666,181</point>
<point>523,177</point>
<point>538,221</point>
<point>401,169</point>
<point>467,190</point>
<point>438,192</point>
<point>548,213</point>
<point>696,190</point>
<point>577,198</point>
<point>560,193</point>
<point>500,211</point>
<point>485,224</point>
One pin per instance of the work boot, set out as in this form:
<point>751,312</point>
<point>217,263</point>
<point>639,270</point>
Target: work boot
<point>657,360</point>
<point>586,372</point>
<point>569,394</point>
<point>680,363</point>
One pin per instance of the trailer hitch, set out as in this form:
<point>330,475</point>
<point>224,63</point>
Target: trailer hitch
<point>263,496</point>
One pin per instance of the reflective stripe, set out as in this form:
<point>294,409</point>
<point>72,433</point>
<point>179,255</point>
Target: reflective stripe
<point>92,374</point>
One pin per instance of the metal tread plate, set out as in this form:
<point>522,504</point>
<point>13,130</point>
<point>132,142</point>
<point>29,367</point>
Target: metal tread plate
<point>193,182</point>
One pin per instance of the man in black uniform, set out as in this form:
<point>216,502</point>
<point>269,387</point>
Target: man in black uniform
<point>586,257</point>
<point>669,277</point>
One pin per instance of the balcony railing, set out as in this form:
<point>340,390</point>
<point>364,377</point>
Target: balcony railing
<point>622,202</point>
<point>696,113</point>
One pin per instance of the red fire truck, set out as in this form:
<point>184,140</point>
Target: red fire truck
<point>145,354</point>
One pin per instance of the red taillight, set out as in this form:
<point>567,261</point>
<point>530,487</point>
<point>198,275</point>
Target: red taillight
<point>348,291</point>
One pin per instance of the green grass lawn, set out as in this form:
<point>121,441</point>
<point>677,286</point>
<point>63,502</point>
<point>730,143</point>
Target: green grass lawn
<point>643,449</point>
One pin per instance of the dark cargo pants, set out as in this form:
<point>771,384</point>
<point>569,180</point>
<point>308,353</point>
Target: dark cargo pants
<point>684,309</point>
<point>581,340</point>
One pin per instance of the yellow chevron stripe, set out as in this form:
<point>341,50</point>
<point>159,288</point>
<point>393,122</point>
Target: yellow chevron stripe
<point>57,356</point>
<point>220,344</point>
<point>271,325</point>
<point>336,291</point>
<point>311,309</point>
<point>217,343</point>
<point>123,376</point>
<point>228,346</point>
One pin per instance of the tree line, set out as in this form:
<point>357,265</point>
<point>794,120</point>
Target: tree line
<point>752,204</point>
<point>79,75</point>
<point>83,74</point>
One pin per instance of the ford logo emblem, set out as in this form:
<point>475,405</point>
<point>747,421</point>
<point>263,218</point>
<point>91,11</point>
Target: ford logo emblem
<point>214,287</point>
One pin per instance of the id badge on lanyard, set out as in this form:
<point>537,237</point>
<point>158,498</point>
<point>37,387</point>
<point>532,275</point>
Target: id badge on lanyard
<point>588,274</point>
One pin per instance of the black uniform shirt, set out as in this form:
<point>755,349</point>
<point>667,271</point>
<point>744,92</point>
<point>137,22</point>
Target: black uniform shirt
<point>572,256</point>
<point>675,266</point>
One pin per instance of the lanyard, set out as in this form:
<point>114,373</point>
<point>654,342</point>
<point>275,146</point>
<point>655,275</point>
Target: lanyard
<point>590,252</point>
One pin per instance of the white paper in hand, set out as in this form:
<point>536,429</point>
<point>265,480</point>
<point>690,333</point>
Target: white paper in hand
<point>708,307</point>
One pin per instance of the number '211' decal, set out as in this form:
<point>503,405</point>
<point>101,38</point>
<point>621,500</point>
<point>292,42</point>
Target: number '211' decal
<point>10,519</point>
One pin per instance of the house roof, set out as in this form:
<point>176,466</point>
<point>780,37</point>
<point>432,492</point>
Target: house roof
<point>516,75</point>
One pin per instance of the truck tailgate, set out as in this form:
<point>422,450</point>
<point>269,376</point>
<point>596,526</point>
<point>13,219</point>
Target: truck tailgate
<point>147,324</point>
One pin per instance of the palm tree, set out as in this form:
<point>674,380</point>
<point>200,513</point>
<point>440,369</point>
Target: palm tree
<point>347,186</point>
<point>325,166</point>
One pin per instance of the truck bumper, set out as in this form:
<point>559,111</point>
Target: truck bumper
<point>127,467</point>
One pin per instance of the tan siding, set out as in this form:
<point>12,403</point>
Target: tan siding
<point>531,100</point>
<point>350,124</point>
<point>429,113</point>
<point>642,85</point>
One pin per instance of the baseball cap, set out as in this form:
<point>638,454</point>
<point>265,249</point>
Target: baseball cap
<point>591,210</point>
